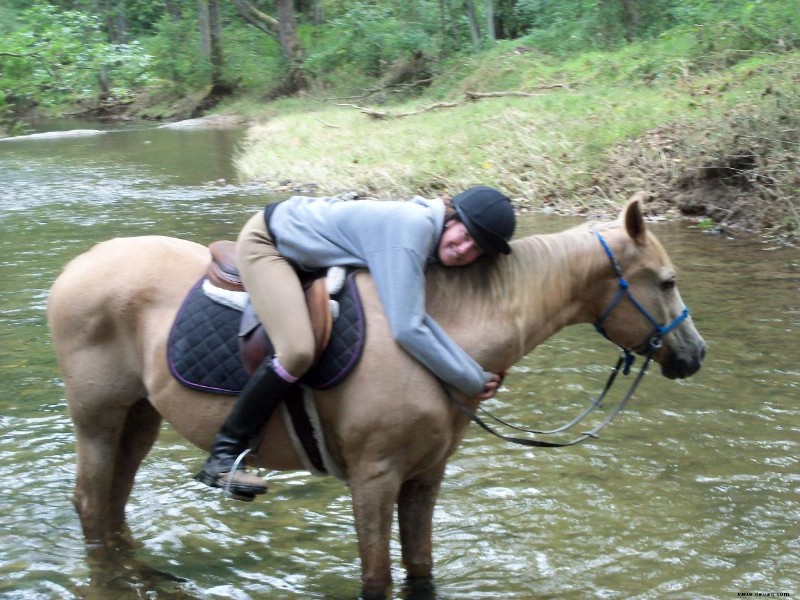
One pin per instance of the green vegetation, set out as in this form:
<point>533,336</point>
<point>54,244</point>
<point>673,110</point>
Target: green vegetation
<point>721,144</point>
<point>695,101</point>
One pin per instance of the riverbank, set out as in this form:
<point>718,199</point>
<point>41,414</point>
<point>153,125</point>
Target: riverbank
<point>720,147</point>
<point>713,142</point>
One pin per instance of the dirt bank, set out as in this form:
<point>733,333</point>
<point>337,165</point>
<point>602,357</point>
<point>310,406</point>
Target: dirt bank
<point>738,173</point>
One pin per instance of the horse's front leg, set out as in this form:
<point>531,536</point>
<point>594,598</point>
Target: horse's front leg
<point>415,512</point>
<point>374,488</point>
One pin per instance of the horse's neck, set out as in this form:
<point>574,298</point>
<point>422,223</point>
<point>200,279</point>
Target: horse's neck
<point>501,311</point>
<point>557,272</point>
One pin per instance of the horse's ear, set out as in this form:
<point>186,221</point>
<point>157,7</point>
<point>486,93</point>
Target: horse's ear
<point>634,218</point>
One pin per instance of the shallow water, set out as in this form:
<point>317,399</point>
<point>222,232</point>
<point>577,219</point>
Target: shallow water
<point>694,492</point>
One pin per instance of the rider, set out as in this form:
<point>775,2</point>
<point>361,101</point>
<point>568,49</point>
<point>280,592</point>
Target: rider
<point>395,240</point>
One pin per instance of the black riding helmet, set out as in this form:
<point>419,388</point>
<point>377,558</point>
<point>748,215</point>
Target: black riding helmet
<point>488,216</point>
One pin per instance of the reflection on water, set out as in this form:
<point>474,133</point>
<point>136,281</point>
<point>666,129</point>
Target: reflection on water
<point>692,493</point>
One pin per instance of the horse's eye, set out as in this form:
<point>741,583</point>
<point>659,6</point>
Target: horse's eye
<point>668,285</point>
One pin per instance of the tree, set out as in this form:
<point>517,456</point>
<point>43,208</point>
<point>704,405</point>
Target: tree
<point>490,32</point>
<point>630,19</point>
<point>57,56</point>
<point>474,28</point>
<point>211,40</point>
<point>284,30</point>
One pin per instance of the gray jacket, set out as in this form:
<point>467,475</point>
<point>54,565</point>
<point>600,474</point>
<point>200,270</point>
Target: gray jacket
<point>395,241</point>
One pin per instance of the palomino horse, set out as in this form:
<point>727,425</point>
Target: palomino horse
<point>391,426</point>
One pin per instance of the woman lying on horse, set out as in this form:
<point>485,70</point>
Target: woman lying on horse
<point>395,241</point>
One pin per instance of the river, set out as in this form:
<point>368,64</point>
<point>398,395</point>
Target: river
<point>693,492</point>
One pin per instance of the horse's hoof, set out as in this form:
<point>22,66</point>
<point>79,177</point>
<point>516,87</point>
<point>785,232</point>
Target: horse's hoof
<point>239,485</point>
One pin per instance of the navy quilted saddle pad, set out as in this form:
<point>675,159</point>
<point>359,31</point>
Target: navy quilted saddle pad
<point>203,351</point>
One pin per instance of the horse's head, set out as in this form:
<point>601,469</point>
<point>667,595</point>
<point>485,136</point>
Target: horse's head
<point>638,306</point>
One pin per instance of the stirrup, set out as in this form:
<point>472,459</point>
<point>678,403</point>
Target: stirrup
<point>231,488</point>
<point>243,496</point>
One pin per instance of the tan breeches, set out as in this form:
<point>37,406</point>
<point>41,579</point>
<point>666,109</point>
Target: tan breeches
<point>277,296</point>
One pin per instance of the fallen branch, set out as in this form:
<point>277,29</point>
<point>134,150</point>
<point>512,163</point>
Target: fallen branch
<point>392,88</point>
<point>543,86</point>
<point>376,114</point>
<point>478,95</point>
<point>367,94</point>
<point>410,85</point>
<point>327,124</point>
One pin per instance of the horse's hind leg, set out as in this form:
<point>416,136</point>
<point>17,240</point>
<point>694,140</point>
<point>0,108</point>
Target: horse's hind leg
<point>114,429</point>
<point>139,433</point>
<point>111,445</point>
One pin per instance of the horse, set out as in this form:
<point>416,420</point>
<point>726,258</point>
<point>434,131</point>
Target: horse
<point>391,425</point>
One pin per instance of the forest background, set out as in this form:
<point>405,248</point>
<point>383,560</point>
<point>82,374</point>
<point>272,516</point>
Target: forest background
<point>568,105</point>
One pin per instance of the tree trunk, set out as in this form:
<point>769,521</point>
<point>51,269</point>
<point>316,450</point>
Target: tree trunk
<point>114,23</point>
<point>319,15</point>
<point>173,9</point>
<point>474,28</point>
<point>215,38</point>
<point>210,31</point>
<point>442,20</point>
<point>283,29</point>
<point>490,33</point>
<point>256,18</point>
<point>630,19</point>
<point>204,29</point>
<point>287,30</point>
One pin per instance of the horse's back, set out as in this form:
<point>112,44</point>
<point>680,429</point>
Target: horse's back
<point>119,275</point>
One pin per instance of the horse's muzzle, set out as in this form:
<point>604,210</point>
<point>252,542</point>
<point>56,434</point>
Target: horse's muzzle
<point>681,365</point>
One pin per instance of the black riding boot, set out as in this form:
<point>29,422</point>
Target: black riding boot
<point>263,393</point>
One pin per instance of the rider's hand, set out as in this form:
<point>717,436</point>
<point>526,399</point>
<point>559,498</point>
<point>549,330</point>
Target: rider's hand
<point>490,389</point>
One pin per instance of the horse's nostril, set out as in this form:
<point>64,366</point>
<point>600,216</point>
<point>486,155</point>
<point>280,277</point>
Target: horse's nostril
<point>702,351</point>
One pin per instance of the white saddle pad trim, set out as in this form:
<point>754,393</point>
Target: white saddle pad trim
<point>229,298</point>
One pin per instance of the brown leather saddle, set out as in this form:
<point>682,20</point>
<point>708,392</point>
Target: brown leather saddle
<point>223,272</point>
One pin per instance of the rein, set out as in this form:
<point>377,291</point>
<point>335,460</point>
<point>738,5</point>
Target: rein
<point>647,348</point>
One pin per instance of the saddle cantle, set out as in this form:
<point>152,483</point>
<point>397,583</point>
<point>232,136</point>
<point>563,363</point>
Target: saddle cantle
<point>223,271</point>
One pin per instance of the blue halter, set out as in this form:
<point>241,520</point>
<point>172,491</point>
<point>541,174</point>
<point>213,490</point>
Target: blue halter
<point>652,341</point>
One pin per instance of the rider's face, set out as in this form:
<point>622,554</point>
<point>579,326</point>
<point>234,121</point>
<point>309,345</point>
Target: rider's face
<point>456,246</point>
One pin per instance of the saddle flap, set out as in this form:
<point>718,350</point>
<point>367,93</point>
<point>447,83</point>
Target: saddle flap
<point>223,272</point>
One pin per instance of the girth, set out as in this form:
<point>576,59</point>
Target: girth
<point>223,272</point>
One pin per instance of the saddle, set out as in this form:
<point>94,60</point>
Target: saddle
<point>216,343</point>
<point>223,272</point>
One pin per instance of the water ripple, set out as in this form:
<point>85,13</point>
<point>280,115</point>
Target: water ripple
<point>691,493</point>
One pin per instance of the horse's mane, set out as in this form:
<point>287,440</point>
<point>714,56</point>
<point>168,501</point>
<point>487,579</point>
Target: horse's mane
<point>539,271</point>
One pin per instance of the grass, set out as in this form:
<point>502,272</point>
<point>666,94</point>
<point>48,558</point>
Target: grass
<point>525,145</point>
<point>554,150</point>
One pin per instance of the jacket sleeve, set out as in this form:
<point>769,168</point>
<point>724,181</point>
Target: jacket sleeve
<point>399,276</point>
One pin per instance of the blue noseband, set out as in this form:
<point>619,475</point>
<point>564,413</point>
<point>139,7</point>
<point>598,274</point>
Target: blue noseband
<point>652,341</point>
